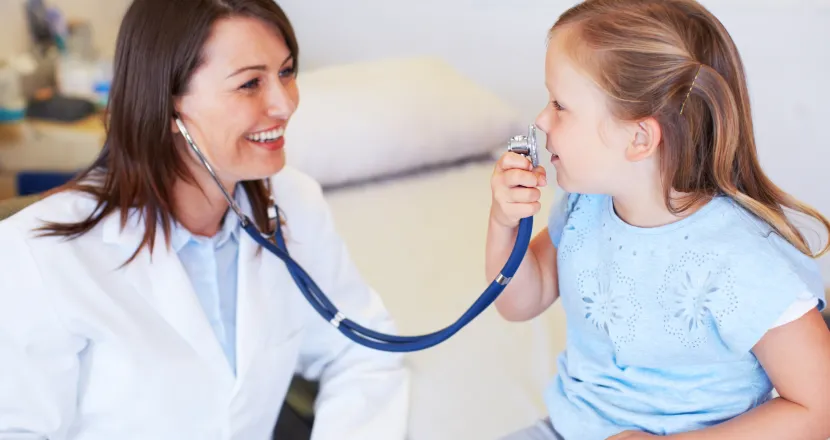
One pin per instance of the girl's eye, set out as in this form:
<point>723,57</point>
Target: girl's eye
<point>557,106</point>
<point>252,84</point>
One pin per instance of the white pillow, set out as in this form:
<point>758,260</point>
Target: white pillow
<point>372,119</point>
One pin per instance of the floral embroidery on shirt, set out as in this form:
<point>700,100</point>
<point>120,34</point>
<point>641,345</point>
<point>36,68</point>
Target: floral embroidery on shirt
<point>609,302</point>
<point>696,294</point>
<point>693,299</point>
<point>602,306</point>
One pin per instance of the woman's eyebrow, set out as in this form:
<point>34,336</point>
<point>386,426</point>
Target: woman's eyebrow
<point>247,68</point>
<point>259,67</point>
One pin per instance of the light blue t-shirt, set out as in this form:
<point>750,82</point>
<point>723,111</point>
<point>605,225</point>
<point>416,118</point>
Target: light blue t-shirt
<point>661,321</point>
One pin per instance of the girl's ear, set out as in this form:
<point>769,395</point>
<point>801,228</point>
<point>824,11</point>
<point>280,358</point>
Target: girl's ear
<point>646,140</point>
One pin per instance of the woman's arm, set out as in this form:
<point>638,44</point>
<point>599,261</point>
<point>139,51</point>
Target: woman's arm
<point>38,357</point>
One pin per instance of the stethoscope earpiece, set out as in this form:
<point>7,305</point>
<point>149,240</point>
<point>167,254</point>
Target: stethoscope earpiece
<point>231,202</point>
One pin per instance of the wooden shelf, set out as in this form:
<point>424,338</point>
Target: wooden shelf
<point>40,145</point>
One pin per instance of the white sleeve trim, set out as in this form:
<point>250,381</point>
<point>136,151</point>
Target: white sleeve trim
<point>796,310</point>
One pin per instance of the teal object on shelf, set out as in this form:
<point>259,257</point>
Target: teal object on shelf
<point>11,115</point>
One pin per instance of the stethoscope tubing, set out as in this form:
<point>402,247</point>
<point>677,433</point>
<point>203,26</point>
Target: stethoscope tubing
<point>328,311</point>
<point>381,341</point>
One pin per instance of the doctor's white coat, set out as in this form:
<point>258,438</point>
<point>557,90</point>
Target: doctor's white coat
<point>91,351</point>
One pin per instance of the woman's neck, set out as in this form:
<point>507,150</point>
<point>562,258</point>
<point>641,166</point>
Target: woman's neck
<point>200,209</point>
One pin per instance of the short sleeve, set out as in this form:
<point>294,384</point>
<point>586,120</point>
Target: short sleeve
<point>798,309</point>
<point>559,213</point>
<point>763,284</point>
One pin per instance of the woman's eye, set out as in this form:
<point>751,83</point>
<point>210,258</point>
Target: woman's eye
<point>252,84</point>
<point>287,72</point>
<point>557,106</point>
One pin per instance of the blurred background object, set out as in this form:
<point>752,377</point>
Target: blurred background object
<point>54,89</point>
<point>12,103</point>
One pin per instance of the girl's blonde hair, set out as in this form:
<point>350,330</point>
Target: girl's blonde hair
<point>674,61</point>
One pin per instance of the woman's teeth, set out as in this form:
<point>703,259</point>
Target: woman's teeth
<point>266,136</point>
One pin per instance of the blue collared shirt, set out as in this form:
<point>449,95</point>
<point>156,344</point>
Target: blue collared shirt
<point>211,264</point>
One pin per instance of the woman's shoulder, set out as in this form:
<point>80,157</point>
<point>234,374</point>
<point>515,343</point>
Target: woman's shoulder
<point>292,186</point>
<point>21,246</point>
<point>24,215</point>
<point>301,200</point>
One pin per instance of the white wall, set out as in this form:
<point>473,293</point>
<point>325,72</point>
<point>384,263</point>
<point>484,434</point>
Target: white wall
<point>785,46</point>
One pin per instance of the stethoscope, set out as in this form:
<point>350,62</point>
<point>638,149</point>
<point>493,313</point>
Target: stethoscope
<point>524,145</point>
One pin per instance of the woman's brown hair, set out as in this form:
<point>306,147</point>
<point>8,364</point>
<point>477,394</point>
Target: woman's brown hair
<point>674,61</point>
<point>160,45</point>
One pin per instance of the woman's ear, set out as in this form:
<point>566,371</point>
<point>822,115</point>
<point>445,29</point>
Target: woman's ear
<point>647,137</point>
<point>176,105</point>
<point>173,125</point>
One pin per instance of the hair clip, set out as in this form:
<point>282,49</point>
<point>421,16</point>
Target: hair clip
<point>690,88</point>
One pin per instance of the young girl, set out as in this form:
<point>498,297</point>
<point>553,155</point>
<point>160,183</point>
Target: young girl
<point>689,294</point>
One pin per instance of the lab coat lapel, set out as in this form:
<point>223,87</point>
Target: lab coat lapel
<point>161,279</point>
<point>267,311</point>
<point>256,285</point>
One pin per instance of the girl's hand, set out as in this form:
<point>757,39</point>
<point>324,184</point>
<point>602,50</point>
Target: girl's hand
<point>515,185</point>
<point>633,435</point>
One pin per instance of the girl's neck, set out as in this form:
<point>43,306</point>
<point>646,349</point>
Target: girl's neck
<point>646,207</point>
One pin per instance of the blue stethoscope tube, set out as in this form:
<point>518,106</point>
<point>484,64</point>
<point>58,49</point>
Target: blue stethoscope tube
<point>381,341</point>
<point>352,330</point>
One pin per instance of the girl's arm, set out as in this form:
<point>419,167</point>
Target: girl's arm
<point>515,184</point>
<point>796,357</point>
<point>534,286</point>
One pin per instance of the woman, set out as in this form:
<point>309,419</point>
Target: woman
<point>132,303</point>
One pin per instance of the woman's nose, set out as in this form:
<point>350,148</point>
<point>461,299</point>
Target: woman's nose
<point>281,103</point>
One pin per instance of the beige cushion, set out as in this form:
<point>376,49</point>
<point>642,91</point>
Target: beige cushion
<point>363,121</point>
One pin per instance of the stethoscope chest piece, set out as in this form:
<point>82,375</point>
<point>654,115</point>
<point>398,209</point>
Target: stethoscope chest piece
<point>525,145</point>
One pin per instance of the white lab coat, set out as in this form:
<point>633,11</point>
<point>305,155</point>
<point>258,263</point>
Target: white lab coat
<point>91,351</point>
